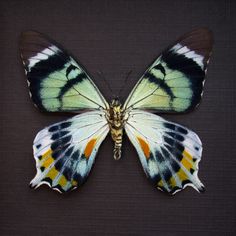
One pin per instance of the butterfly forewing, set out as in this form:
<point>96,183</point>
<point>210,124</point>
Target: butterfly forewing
<point>65,152</point>
<point>169,153</point>
<point>56,81</point>
<point>174,82</point>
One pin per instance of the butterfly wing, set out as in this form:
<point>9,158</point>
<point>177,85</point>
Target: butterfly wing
<point>65,152</point>
<point>56,81</point>
<point>174,82</point>
<point>169,153</point>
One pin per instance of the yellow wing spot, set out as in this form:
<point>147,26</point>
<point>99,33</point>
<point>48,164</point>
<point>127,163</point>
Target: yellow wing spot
<point>89,148</point>
<point>63,181</point>
<point>74,183</point>
<point>145,147</point>
<point>172,182</point>
<point>160,183</point>
<point>52,173</point>
<point>186,164</point>
<point>47,153</point>
<point>48,162</point>
<point>188,155</point>
<point>181,174</point>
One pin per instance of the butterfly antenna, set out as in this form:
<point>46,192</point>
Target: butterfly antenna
<point>124,83</point>
<point>101,75</point>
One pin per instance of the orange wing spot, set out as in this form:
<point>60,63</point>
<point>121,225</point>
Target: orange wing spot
<point>145,147</point>
<point>89,148</point>
<point>188,155</point>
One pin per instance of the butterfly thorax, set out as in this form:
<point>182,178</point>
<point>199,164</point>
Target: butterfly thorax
<point>115,117</point>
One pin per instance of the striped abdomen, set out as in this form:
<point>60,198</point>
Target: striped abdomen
<point>116,135</point>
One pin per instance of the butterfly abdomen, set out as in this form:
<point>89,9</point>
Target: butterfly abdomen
<point>117,138</point>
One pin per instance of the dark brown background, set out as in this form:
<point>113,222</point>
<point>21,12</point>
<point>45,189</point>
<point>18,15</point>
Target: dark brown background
<point>115,37</point>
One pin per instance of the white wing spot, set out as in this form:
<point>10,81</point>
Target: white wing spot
<point>42,56</point>
<point>82,167</point>
<point>189,54</point>
<point>153,169</point>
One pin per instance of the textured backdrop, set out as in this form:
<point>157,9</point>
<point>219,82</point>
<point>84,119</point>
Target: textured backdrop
<point>116,37</point>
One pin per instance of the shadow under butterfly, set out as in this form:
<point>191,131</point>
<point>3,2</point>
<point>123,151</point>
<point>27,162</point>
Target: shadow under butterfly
<point>65,152</point>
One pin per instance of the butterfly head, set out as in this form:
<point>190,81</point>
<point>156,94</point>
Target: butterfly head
<point>115,103</point>
<point>116,113</point>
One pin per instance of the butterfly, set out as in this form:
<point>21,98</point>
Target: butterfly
<point>65,152</point>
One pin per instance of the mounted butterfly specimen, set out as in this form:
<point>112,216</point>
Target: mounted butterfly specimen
<point>65,152</point>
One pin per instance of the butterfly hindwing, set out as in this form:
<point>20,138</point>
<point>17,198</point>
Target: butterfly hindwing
<point>174,82</point>
<point>56,81</point>
<point>169,153</point>
<point>65,152</point>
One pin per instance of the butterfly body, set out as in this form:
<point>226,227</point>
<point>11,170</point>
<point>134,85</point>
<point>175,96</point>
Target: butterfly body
<point>115,119</point>
<point>65,152</point>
